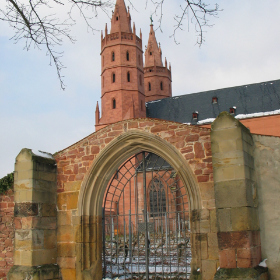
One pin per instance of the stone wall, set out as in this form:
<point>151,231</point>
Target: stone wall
<point>7,232</point>
<point>73,166</point>
<point>267,166</point>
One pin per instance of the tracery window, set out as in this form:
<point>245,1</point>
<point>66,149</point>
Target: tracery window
<point>157,198</point>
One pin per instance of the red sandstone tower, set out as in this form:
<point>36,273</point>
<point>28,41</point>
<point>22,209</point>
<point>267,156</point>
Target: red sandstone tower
<point>157,78</point>
<point>122,75</point>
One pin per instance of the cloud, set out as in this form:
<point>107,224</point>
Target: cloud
<point>242,48</point>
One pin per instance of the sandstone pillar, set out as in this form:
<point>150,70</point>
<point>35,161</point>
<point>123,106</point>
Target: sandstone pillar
<point>35,253</point>
<point>235,195</point>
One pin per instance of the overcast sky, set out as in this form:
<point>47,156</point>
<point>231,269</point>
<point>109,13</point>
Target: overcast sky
<point>241,48</point>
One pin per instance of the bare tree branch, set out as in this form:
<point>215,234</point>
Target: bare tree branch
<point>34,21</point>
<point>199,16</point>
<point>47,31</point>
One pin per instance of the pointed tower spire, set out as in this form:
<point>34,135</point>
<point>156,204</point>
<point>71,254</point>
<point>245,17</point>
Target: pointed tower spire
<point>121,20</point>
<point>97,114</point>
<point>152,53</point>
<point>157,78</point>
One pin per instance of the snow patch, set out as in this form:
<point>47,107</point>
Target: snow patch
<point>42,154</point>
<point>243,116</point>
<point>260,114</point>
<point>210,120</point>
<point>263,263</point>
<point>155,101</point>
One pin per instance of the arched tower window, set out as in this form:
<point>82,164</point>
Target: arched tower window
<point>117,18</point>
<point>103,81</point>
<point>113,56</point>
<point>128,76</point>
<point>157,198</point>
<point>140,80</point>
<point>114,78</point>
<point>139,59</point>
<point>103,60</point>
<point>127,56</point>
<point>150,87</point>
<point>114,103</point>
<point>161,85</point>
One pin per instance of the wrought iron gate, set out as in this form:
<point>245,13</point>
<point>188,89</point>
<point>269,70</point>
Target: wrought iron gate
<point>146,222</point>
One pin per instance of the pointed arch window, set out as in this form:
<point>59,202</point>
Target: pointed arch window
<point>128,77</point>
<point>127,55</point>
<point>161,86</point>
<point>150,87</point>
<point>157,198</point>
<point>113,56</point>
<point>114,105</point>
<point>114,78</point>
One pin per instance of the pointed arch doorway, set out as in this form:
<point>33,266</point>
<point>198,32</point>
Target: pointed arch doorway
<point>89,245</point>
<point>145,225</point>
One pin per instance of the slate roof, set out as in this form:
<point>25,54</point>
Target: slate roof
<point>248,99</point>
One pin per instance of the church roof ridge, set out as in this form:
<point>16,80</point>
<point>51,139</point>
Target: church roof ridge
<point>247,99</point>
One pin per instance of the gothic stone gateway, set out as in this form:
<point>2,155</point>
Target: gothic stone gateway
<point>216,167</point>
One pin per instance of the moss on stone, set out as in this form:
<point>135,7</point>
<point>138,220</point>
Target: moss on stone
<point>240,273</point>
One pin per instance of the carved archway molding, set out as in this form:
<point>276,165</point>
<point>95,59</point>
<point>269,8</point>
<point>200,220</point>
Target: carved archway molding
<point>89,229</point>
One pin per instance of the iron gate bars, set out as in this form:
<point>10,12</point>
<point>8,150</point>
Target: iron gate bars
<point>145,225</point>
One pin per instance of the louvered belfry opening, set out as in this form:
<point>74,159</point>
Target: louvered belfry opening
<point>146,230</point>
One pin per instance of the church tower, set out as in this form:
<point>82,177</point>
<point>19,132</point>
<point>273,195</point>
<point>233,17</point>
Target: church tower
<point>122,75</point>
<point>157,78</point>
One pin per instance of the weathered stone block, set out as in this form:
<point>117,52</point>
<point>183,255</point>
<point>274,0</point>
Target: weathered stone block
<point>72,186</point>
<point>213,220</point>
<point>231,134</point>
<point>66,262</point>
<point>49,239</point>
<point>66,249</point>
<point>64,217</point>
<point>244,218</point>
<point>44,272</point>
<point>209,268</point>
<point>23,185</point>
<point>234,193</point>
<point>227,258</point>
<point>229,240</point>
<point>48,210</point>
<point>70,199</point>
<point>224,220</point>
<point>68,273</point>
<point>26,209</point>
<point>207,191</point>
<point>65,234</point>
